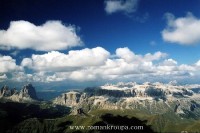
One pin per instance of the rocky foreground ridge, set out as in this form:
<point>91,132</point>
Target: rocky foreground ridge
<point>26,94</point>
<point>156,98</point>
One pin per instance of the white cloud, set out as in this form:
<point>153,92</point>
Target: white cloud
<point>97,64</point>
<point>52,35</point>
<point>126,54</point>
<point>156,56</point>
<point>3,77</point>
<point>197,63</point>
<point>118,67</point>
<point>24,77</point>
<point>82,76</point>
<point>56,61</point>
<point>91,64</point>
<point>27,62</point>
<point>190,68</point>
<point>127,6</point>
<point>183,30</point>
<point>129,56</point>
<point>169,62</point>
<point>8,64</point>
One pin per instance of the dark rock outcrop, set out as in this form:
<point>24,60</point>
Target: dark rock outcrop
<point>97,91</point>
<point>28,91</point>
<point>5,92</point>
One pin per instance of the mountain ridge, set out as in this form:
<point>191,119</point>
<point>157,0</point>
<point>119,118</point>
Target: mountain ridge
<point>26,94</point>
<point>155,98</point>
<point>159,105</point>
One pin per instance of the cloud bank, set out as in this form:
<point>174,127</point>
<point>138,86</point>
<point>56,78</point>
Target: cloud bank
<point>97,64</point>
<point>183,30</point>
<point>8,64</point>
<point>52,35</point>
<point>126,6</point>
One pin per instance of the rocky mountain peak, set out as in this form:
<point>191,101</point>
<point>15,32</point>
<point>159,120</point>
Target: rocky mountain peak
<point>28,91</point>
<point>26,94</point>
<point>14,91</point>
<point>71,98</point>
<point>5,91</point>
<point>152,97</point>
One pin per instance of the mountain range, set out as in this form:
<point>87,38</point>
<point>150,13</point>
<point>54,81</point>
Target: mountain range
<point>26,94</point>
<point>160,107</point>
<point>155,98</point>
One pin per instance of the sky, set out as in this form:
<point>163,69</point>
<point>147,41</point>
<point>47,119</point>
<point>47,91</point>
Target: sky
<point>99,41</point>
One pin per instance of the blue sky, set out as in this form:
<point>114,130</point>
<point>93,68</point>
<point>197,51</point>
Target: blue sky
<point>79,41</point>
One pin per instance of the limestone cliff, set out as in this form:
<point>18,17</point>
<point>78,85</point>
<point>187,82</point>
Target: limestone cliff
<point>26,94</point>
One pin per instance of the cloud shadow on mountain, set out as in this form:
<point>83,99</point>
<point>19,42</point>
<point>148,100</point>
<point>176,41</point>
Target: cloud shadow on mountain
<point>111,120</point>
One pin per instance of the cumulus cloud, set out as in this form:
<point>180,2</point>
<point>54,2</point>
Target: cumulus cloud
<point>27,62</point>
<point>57,61</point>
<point>129,56</point>
<point>3,77</point>
<point>8,64</point>
<point>127,6</point>
<point>91,64</point>
<point>183,30</point>
<point>97,64</point>
<point>169,62</point>
<point>52,35</point>
<point>21,76</point>
<point>126,54</point>
<point>197,63</point>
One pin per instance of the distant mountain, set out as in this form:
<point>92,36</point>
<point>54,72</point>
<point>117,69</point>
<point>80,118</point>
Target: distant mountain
<point>26,94</point>
<point>155,98</point>
<point>28,91</point>
<point>157,107</point>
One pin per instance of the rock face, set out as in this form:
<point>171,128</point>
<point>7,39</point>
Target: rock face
<point>70,99</point>
<point>5,91</point>
<point>155,98</point>
<point>28,91</point>
<point>26,94</point>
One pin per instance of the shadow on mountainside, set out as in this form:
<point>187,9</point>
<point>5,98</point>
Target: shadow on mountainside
<point>11,114</point>
<point>138,126</point>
